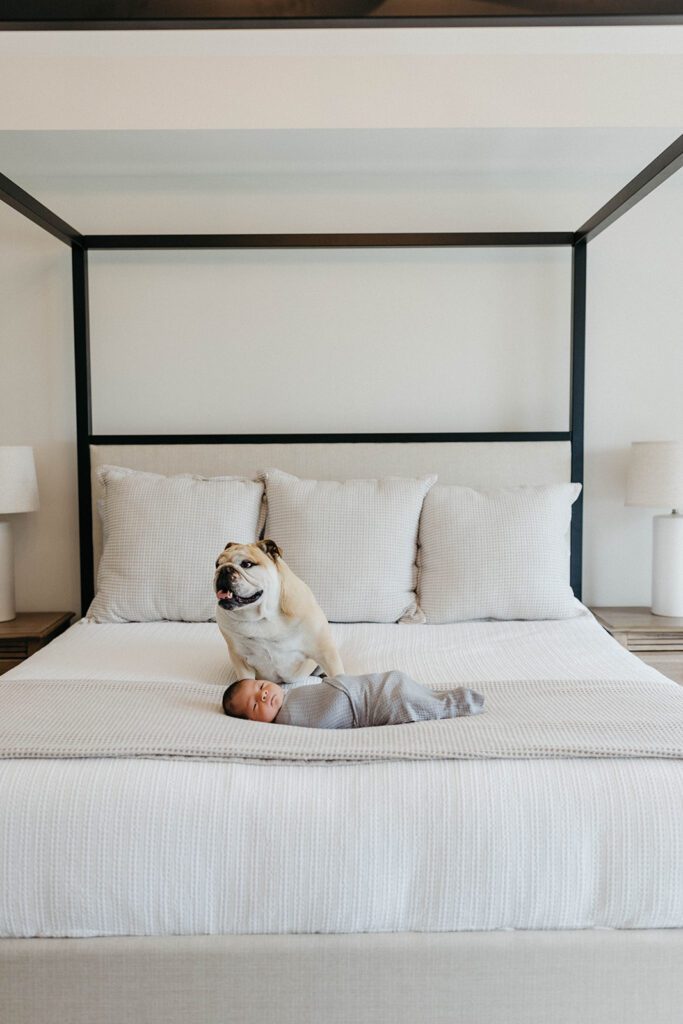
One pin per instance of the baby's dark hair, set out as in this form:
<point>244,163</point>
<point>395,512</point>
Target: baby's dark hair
<point>229,696</point>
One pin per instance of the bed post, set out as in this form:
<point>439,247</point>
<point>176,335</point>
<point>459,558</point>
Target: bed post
<point>668,162</point>
<point>79,267</point>
<point>577,405</point>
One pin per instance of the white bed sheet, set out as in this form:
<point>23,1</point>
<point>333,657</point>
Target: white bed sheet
<point>136,847</point>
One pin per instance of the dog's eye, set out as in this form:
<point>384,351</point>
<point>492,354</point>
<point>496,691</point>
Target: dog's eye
<point>246,565</point>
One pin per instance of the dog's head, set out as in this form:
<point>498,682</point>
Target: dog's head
<point>245,573</point>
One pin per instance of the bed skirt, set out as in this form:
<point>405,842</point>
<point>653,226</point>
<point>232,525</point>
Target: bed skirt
<point>568,977</point>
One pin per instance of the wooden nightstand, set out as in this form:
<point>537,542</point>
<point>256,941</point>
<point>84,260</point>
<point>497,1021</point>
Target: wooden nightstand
<point>656,639</point>
<point>27,633</point>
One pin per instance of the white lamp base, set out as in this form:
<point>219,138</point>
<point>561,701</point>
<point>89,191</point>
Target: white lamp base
<point>667,565</point>
<point>7,573</point>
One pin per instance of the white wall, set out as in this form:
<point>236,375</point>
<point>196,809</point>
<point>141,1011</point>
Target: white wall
<point>330,341</point>
<point>37,407</point>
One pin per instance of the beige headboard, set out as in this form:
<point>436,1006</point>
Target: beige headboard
<point>483,464</point>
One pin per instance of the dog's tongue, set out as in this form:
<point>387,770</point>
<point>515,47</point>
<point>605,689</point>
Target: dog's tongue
<point>224,595</point>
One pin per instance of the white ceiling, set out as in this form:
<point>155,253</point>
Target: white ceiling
<point>563,157</point>
<point>366,129</point>
<point>327,180</point>
<point>621,39</point>
<point>341,79</point>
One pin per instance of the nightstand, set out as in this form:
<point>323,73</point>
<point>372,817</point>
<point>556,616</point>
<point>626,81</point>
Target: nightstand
<point>655,639</point>
<point>27,633</point>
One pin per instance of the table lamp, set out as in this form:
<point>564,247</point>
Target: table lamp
<point>18,493</point>
<point>655,479</point>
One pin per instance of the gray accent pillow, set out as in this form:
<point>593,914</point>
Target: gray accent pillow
<point>353,542</point>
<point>162,537</point>
<point>496,554</point>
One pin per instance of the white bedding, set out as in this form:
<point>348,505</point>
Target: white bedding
<point>140,847</point>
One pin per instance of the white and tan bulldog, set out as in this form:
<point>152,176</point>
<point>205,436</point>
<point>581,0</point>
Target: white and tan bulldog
<point>273,625</point>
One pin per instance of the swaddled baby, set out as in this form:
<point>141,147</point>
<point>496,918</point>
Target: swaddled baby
<point>348,702</point>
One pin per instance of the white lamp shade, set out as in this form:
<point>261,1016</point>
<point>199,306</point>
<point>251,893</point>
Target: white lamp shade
<point>655,474</point>
<point>18,484</point>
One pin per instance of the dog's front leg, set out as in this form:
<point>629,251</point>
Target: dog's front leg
<point>242,670</point>
<point>328,658</point>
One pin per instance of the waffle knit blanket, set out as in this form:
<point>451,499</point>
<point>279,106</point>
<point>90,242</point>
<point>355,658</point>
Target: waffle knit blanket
<point>95,718</point>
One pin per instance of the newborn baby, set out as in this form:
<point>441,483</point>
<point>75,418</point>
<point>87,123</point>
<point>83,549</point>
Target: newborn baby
<point>348,702</point>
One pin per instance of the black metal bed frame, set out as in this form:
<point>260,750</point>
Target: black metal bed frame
<point>664,165</point>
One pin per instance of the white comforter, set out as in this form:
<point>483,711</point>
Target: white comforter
<point>139,847</point>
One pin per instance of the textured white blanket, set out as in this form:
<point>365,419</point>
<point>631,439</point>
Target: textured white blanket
<point>522,719</point>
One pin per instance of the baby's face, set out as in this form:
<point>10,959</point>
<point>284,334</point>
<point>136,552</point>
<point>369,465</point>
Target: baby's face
<point>258,700</point>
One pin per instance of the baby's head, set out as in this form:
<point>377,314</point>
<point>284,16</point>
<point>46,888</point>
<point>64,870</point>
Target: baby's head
<point>256,699</point>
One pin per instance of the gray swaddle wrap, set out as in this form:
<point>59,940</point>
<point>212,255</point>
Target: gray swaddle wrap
<point>381,698</point>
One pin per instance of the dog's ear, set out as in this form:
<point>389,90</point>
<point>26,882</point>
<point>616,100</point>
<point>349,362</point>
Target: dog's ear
<point>230,544</point>
<point>270,548</point>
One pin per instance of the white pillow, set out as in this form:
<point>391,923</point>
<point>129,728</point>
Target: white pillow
<point>353,542</point>
<point>162,537</point>
<point>496,554</point>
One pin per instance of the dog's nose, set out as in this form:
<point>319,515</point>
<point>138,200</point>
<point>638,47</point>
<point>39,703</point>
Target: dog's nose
<point>223,580</point>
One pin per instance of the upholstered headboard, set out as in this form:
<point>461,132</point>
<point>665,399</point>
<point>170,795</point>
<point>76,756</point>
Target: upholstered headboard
<point>485,464</point>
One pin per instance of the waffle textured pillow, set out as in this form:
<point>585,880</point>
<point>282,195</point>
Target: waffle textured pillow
<point>496,554</point>
<point>354,542</point>
<point>162,537</point>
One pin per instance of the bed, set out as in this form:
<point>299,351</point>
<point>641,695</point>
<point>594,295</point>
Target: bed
<point>516,888</point>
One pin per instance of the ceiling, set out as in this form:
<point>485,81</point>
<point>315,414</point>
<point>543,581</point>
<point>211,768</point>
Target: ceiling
<point>422,179</point>
<point>343,79</point>
<point>564,157</point>
<point>399,129</point>
<point>622,39</point>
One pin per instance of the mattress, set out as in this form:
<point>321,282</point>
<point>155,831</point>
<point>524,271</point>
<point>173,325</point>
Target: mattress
<point>104,846</point>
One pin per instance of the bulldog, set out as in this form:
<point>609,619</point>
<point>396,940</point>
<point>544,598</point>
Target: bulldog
<point>273,625</point>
